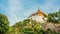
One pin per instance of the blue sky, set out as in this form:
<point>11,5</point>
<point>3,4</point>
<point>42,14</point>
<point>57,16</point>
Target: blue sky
<point>18,10</point>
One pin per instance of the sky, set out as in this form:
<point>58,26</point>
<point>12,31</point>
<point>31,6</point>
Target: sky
<point>18,10</point>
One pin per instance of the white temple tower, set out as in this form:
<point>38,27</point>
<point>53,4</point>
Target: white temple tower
<point>39,16</point>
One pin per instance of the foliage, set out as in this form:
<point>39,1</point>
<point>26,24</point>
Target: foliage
<point>30,27</point>
<point>10,31</point>
<point>54,17</point>
<point>3,24</point>
<point>27,27</point>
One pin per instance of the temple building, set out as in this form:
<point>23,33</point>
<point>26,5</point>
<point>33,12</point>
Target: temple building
<point>39,16</point>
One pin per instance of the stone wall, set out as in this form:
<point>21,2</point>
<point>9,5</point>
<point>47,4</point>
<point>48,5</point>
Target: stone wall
<point>51,26</point>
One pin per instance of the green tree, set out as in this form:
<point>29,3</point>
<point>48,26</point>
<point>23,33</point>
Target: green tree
<point>54,17</point>
<point>18,27</point>
<point>4,24</point>
<point>10,31</point>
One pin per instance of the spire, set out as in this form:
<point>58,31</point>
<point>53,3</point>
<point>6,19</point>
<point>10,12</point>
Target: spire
<point>39,13</point>
<point>38,10</point>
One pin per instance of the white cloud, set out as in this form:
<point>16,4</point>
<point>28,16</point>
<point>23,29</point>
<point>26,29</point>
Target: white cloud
<point>13,10</point>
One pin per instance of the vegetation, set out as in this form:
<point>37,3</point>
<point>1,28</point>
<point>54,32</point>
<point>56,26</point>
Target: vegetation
<point>54,17</point>
<point>4,24</point>
<point>27,26</point>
